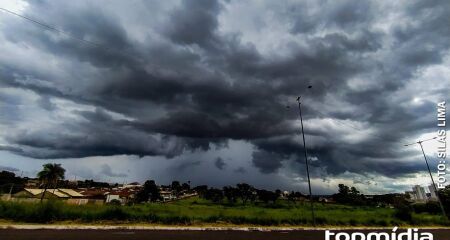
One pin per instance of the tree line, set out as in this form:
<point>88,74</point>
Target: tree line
<point>242,192</point>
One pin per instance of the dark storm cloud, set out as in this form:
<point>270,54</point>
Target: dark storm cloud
<point>220,163</point>
<point>240,170</point>
<point>347,15</point>
<point>17,150</point>
<point>185,166</point>
<point>177,81</point>
<point>194,22</point>
<point>100,135</point>
<point>267,162</point>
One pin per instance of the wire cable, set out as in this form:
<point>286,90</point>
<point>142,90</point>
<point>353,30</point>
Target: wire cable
<point>84,41</point>
<point>52,28</point>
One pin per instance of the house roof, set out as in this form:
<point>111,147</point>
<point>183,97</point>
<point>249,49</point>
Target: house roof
<point>34,191</point>
<point>70,192</point>
<point>94,193</point>
<point>121,193</point>
<point>56,192</point>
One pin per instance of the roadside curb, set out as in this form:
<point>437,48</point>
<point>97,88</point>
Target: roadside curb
<point>177,228</point>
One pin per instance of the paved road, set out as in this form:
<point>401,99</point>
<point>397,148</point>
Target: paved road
<point>46,234</point>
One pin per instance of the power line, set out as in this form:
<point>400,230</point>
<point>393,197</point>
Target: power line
<point>84,41</point>
<point>52,28</point>
<point>429,171</point>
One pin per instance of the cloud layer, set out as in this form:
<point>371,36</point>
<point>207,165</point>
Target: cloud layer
<point>167,78</point>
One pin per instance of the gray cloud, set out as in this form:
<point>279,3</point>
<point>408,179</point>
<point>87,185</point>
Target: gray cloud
<point>10,169</point>
<point>241,170</point>
<point>107,171</point>
<point>185,165</point>
<point>190,79</point>
<point>220,163</point>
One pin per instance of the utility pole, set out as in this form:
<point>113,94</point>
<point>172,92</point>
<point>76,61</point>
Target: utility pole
<point>429,171</point>
<point>12,186</point>
<point>306,161</point>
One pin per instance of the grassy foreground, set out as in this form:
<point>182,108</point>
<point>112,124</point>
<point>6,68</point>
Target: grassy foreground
<point>199,211</point>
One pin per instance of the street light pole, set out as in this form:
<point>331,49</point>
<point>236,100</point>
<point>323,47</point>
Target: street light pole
<point>431,176</point>
<point>432,180</point>
<point>306,161</point>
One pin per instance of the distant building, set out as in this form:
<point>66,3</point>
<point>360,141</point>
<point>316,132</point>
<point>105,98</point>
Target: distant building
<point>112,197</point>
<point>412,195</point>
<point>420,193</point>
<point>37,193</point>
<point>133,185</point>
<point>122,195</point>
<point>70,196</point>
<point>71,193</point>
<point>325,199</point>
<point>433,195</point>
<point>95,196</point>
<point>32,183</point>
<point>167,195</point>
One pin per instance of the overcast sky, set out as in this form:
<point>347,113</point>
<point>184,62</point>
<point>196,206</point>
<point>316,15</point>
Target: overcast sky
<point>197,90</point>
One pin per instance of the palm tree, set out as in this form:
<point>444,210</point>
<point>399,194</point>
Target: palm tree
<point>50,174</point>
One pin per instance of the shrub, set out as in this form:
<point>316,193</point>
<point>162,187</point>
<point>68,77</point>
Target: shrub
<point>114,213</point>
<point>115,202</point>
<point>429,207</point>
<point>403,213</point>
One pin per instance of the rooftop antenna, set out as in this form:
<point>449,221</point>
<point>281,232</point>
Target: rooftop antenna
<point>429,171</point>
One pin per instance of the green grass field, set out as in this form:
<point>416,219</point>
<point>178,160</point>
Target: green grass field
<point>198,211</point>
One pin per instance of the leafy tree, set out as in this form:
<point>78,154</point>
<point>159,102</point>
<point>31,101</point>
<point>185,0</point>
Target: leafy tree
<point>429,207</point>
<point>213,194</point>
<point>444,195</point>
<point>394,199</point>
<point>50,174</point>
<point>201,190</point>
<point>267,196</point>
<point>347,195</point>
<point>176,188</point>
<point>231,194</point>
<point>278,191</point>
<point>295,196</point>
<point>246,192</point>
<point>185,186</point>
<point>149,192</point>
<point>9,181</point>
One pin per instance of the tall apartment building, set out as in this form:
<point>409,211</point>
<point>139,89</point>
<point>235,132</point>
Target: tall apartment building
<point>433,195</point>
<point>420,193</point>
